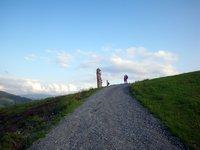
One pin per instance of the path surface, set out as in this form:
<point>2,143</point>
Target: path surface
<point>109,119</point>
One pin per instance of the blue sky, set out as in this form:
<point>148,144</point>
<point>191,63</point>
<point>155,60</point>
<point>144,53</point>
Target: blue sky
<point>55,46</point>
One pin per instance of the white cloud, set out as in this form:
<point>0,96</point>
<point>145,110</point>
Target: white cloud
<point>87,53</point>
<point>167,56</point>
<point>146,67</point>
<point>31,57</point>
<point>138,62</point>
<point>58,57</point>
<point>63,59</point>
<point>135,51</point>
<point>72,87</point>
<point>1,88</point>
<point>25,86</point>
<point>139,53</point>
<point>89,59</point>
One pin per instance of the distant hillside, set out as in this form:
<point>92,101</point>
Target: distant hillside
<point>37,96</point>
<point>175,100</point>
<point>7,99</point>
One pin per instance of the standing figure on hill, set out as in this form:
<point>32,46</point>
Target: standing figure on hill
<point>99,80</point>
<point>125,78</point>
<point>107,83</point>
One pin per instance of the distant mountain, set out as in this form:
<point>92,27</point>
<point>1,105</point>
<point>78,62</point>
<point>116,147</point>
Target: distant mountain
<point>37,96</point>
<point>7,99</point>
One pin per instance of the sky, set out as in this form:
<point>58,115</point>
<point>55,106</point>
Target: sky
<point>55,46</point>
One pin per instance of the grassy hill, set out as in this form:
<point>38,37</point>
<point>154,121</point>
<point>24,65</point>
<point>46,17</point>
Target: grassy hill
<point>22,124</point>
<point>7,99</point>
<point>175,100</point>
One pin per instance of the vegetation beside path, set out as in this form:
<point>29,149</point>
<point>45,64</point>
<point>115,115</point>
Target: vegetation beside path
<point>23,124</point>
<point>175,100</point>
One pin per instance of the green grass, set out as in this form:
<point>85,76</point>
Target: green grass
<point>23,124</point>
<point>175,101</point>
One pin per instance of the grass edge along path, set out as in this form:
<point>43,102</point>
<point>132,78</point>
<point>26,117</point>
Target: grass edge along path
<point>23,124</point>
<point>175,100</point>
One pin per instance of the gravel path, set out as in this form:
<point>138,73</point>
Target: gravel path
<point>109,119</point>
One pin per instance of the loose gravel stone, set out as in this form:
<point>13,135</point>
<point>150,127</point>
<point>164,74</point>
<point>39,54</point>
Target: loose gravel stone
<point>109,119</point>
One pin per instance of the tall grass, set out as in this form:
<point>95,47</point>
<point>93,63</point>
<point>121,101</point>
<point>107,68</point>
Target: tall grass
<point>175,101</point>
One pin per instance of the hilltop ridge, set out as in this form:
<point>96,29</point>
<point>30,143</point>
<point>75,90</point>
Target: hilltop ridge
<point>8,99</point>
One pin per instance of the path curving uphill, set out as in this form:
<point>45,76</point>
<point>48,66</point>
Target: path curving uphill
<point>109,119</point>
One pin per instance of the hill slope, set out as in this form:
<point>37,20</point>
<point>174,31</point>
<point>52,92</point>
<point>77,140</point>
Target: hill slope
<point>109,119</point>
<point>22,124</point>
<point>176,101</point>
<point>7,99</point>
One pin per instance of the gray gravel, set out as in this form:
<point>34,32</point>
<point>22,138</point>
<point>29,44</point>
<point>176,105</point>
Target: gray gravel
<point>109,119</point>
